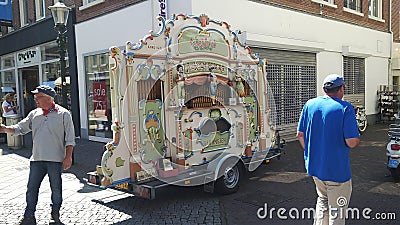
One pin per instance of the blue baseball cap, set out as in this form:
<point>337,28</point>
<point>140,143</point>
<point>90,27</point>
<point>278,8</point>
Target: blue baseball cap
<point>333,80</point>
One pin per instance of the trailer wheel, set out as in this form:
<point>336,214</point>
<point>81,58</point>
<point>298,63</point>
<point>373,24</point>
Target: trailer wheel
<point>230,176</point>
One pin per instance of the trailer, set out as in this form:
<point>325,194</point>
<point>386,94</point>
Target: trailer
<point>191,106</point>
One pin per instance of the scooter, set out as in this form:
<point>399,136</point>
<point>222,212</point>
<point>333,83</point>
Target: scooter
<point>393,151</point>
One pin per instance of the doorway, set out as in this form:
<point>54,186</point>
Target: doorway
<point>29,81</point>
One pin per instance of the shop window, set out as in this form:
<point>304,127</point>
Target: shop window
<point>8,78</point>
<point>51,70</point>
<point>98,95</point>
<point>50,51</point>
<point>7,62</point>
<point>7,82</point>
<point>40,9</point>
<point>50,73</point>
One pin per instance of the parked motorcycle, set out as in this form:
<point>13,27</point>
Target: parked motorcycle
<point>393,151</point>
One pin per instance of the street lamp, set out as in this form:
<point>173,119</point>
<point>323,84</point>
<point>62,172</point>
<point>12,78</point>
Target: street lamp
<point>60,16</point>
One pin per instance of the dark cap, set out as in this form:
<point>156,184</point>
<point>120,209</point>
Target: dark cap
<point>333,80</point>
<point>45,90</point>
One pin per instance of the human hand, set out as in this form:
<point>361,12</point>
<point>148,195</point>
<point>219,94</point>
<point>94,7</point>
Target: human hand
<point>2,128</point>
<point>67,163</point>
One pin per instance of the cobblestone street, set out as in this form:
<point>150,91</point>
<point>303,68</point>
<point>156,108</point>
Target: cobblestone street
<point>84,204</point>
<point>282,183</point>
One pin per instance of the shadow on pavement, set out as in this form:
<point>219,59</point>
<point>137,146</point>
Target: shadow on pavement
<point>87,154</point>
<point>281,183</point>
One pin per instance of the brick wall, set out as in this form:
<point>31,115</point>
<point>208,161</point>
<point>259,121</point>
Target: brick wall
<point>100,9</point>
<point>396,20</point>
<point>31,12</point>
<point>307,6</point>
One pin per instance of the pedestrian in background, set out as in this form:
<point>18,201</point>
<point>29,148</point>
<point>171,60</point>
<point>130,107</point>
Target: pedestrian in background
<point>53,142</point>
<point>327,130</point>
<point>8,105</point>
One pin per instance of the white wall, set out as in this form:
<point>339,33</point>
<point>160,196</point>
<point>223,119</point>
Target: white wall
<point>179,7</point>
<point>327,63</point>
<point>266,26</point>
<point>113,29</point>
<point>279,28</point>
<point>376,73</point>
<point>288,29</point>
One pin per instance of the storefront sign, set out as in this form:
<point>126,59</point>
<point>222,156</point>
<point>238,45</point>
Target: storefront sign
<point>5,13</point>
<point>159,9</point>
<point>100,99</point>
<point>27,57</point>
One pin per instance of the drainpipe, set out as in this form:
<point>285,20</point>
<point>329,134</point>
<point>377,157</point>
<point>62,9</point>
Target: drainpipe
<point>391,43</point>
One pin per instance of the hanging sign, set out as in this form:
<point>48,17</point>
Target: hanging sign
<point>28,56</point>
<point>5,13</point>
<point>159,9</point>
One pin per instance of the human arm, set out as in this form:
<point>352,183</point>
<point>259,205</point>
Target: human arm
<point>351,133</point>
<point>69,140</point>
<point>67,162</point>
<point>300,137</point>
<point>6,129</point>
<point>301,126</point>
<point>352,142</point>
<point>9,108</point>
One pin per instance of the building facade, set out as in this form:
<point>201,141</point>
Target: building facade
<point>303,41</point>
<point>29,55</point>
<point>395,50</point>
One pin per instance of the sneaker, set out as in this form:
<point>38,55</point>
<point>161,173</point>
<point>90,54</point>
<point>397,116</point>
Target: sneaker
<point>27,220</point>
<point>55,217</point>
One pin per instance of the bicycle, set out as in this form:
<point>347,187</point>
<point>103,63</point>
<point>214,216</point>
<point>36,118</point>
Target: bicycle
<point>361,116</point>
<point>278,143</point>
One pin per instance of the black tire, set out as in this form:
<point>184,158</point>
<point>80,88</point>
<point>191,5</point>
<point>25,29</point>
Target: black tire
<point>395,174</point>
<point>231,174</point>
<point>362,126</point>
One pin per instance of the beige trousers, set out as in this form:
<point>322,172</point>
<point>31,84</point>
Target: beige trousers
<point>332,203</point>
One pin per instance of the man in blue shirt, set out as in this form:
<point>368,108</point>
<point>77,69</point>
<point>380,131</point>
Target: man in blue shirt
<point>327,130</point>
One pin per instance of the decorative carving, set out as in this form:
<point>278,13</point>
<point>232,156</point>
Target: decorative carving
<point>180,81</point>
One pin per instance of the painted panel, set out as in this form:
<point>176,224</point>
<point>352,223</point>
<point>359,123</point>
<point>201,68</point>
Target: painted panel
<point>196,40</point>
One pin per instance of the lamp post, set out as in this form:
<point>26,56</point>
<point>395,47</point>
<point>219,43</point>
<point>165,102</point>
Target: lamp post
<point>60,16</point>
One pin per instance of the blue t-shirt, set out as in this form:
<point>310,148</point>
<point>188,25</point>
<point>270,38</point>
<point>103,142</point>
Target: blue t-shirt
<point>326,122</point>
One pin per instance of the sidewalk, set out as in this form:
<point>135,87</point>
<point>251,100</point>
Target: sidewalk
<point>78,198</point>
<point>283,183</point>
<point>84,204</point>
